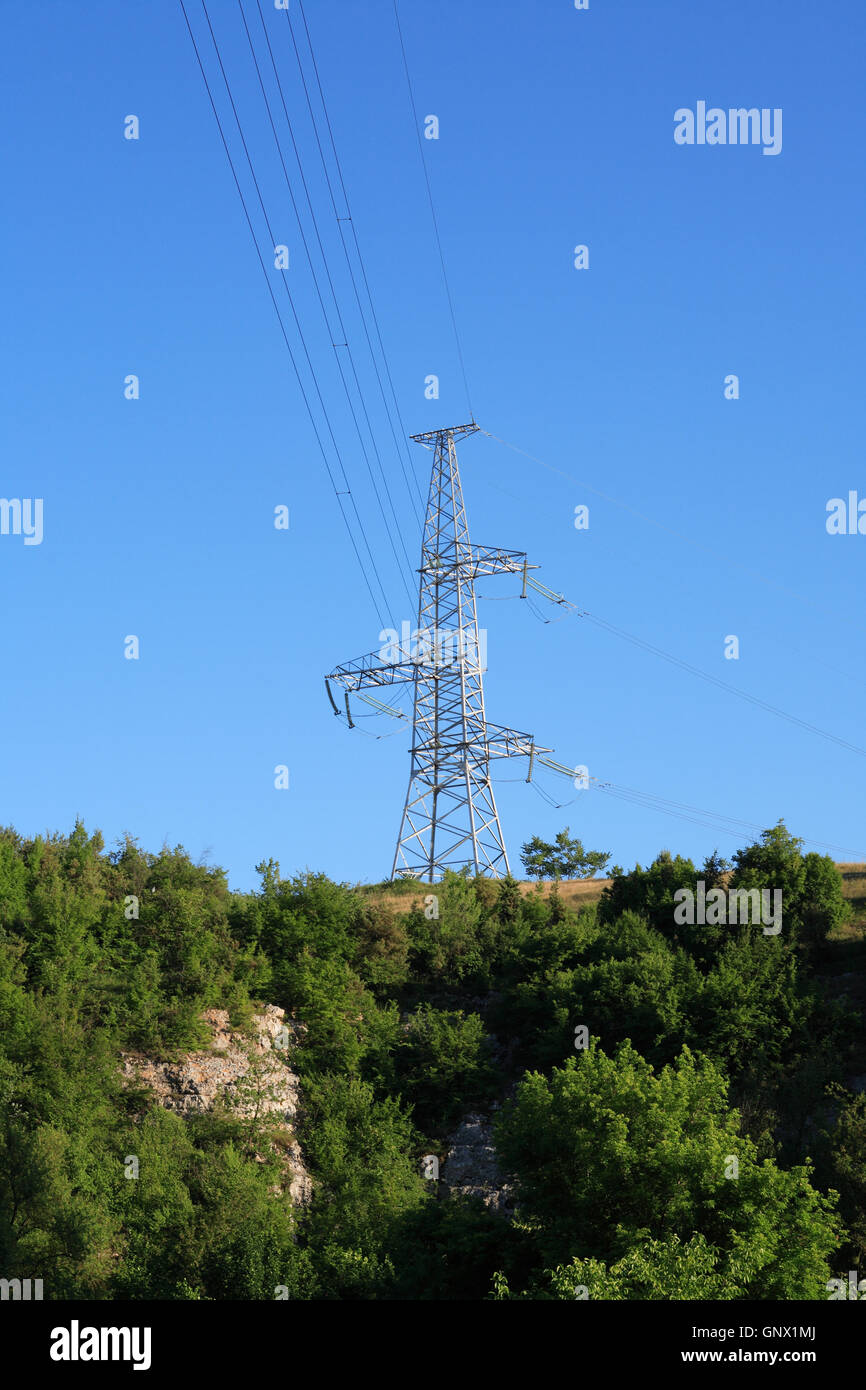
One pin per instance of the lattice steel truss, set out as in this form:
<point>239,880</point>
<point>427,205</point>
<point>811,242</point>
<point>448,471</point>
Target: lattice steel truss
<point>450,820</point>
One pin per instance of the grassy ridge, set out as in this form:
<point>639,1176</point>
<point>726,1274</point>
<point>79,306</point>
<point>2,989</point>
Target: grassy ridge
<point>581,892</point>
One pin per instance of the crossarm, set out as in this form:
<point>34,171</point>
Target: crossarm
<point>369,670</point>
<point>488,559</point>
<point>508,743</point>
<point>485,560</point>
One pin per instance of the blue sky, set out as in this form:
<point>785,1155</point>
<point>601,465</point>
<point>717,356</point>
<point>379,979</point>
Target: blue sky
<point>556,129</point>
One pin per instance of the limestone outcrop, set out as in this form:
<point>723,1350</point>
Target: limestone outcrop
<point>251,1075</point>
<point>471,1168</point>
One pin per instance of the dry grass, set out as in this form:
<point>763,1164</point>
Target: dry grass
<point>576,892</point>
<point>581,892</point>
<point>854,888</point>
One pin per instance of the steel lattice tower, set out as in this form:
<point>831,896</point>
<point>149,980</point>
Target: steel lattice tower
<point>450,816</point>
<point>450,820</point>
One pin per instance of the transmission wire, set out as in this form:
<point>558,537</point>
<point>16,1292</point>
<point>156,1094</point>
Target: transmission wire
<point>397,528</point>
<point>338,494</point>
<point>291,299</point>
<point>351,221</point>
<point>417,126</point>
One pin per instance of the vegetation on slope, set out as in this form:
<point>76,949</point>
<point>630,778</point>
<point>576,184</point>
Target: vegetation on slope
<point>704,1044</point>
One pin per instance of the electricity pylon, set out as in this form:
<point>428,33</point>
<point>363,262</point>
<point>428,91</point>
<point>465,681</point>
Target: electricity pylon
<point>450,820</point>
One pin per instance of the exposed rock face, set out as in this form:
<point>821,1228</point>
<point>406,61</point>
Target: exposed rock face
<point>471,1169</point>
<point>249,1075</point>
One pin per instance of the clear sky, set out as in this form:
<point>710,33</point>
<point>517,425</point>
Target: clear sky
<point>556,129</point>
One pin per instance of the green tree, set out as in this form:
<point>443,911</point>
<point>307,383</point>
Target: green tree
<point>449,944</point>
<point>608,1153</point>
<point>848,1172</point>
<point>811,886</point>
<point>363,1153</point>
<point>565,858</point>
<point>443,1066</point>
<point>659,1270</point>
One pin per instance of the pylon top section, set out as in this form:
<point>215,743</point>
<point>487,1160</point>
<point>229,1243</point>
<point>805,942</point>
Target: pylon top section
<point>450,820</point>
<point>431,437</point>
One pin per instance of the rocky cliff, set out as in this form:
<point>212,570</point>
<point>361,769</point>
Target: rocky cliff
<point>471,1168</point>
<point>249,1074</point>
<point>252,1076</point>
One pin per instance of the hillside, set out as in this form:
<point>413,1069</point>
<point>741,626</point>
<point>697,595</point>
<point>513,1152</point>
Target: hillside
<point>319,1091</point>
<point>580,892</point>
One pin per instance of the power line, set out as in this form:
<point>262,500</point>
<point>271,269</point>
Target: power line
<point>290,297</point>
<point>285,336</point>
<point>403,433</point>
<point>417,126</point>
<point>724,685</point>
<point>660,525</point>
<point>293,308</point>
<point>735,822</point>
<point>652,802</point>
<point>732,826</point>
<point>693,670</point>
<point>648,800</point>
<point>340,224</point>
<point>396,529</point>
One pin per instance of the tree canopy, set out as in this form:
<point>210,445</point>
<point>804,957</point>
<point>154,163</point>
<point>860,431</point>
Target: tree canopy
<point>564,858</point>
<point>674,1112</point>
